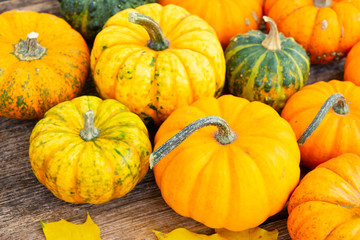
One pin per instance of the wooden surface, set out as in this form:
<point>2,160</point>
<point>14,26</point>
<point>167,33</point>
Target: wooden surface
<point>24,201</point>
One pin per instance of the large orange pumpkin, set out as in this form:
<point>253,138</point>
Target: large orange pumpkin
<point>326,204</point>
<point>163,59</point>
<point>234,177</point>
<point>228,17</point>
<point>43,62</point>
<point>337,126</point>
<point>327,29</point>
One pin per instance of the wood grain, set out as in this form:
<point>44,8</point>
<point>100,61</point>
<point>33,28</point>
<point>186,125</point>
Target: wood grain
<point>24,201</point>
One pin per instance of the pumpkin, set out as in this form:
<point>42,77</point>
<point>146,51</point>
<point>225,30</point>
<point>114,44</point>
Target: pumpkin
<point>89,150</point>
<point>228,18</point>
<point>89,16</point>
<point>325,118</point>
<point>267,68</point>
<point>155,59</point>
<point>326,29</point>
<point>43,62</point>
<point>352,70</point>
<point>232,174</point>
<point>325,205</point>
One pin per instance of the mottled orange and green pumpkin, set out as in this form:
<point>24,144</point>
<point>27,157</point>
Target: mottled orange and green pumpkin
<point>266,67</point>
<point>155,73</point>
<point>43,62</point>
<point>89,156</point>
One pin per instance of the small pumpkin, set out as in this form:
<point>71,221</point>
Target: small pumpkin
<point>325,205</point>
<point>89,16</point>
<point>228,18</point>
<point>267,68</point>
<point>325,118</point>
<point>352,70</point>
<point>43,62</point>
<point>237,163</point>
<point>155,59</point>
<point>327,29</point>
<point>89,151</point>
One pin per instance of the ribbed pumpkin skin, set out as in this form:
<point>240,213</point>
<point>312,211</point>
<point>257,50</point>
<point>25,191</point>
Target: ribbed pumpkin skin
<point>235,186</point>
<point>325,206</point>
<point>336,134</point>
<point>155,83</point>
<point>326,33</point>
<point>227,17</point>
<point>259,74</point>
<point>89,16</point>
<point>95,171</point>
<point>28,88</point>
<point>352,69</point>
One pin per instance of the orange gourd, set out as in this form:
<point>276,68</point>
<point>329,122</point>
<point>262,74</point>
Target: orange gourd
<point>43,62</point>
<point>334,106</point>
<point>229,18</point>
<point>327,29</point>
<point>352,70</point>
<point>234,172</point>
<point>325,205</point>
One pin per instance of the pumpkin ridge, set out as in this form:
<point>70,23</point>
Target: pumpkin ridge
<point>239,67</point>
<point>252,77</point>
<point>219,82</point>
<point>66,149</point>
<point>189,80</point>
<point>176,25</point>
<point>294,63</point>
<point>354,189</point>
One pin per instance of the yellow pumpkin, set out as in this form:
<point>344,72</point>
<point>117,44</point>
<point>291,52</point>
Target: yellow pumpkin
<point>164,58</point>
<point>89,151</point>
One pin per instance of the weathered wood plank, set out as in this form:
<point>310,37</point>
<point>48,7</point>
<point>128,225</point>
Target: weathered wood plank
<point>24,201</point>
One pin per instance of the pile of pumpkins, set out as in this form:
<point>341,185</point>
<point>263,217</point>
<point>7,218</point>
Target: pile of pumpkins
<point>234,118</point>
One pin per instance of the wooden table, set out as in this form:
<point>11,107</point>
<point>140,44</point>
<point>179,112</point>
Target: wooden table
<point>24,201</point>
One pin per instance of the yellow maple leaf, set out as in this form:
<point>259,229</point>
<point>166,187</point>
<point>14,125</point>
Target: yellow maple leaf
<point>221,234</point>
<point>64,230</point>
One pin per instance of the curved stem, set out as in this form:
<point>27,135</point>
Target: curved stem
<point>272,41</point>
<point>224,135</point>
<point>322,3</point>
<point>337,102</point>
<point>89,132</point>
<point>157,41</point>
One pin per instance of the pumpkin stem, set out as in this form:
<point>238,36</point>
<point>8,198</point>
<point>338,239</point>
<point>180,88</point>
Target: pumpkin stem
<point>89,132</point>
<point>157,41</point>
<point>29,49</point>
<point>224,135</point>
<point>272,41</point>
<point>322,3</point>
<point>337,102</point>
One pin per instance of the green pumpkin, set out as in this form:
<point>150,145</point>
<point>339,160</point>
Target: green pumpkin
<point>89,16</point>
<point>267,68</point>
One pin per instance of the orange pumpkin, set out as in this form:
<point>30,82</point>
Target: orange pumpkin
<point>352,70</point>
<point>326,29</point>
<point>234,177</point>
<point>335,129</point>
<point>228,18</point>
<point>155,59</point>
<point>325,205</point>
<point>43,62</point>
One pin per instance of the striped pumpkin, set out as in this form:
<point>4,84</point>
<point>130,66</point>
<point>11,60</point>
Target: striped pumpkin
<point>267,68</point>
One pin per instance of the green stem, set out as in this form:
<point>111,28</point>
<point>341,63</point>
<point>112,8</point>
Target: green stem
<point>89,132</point>
<point>157,41</point>
<point>337,102</point>
<point>29,49</point>
<point>224,135</point>
<point>272,41</point>
<point>322,3</point>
